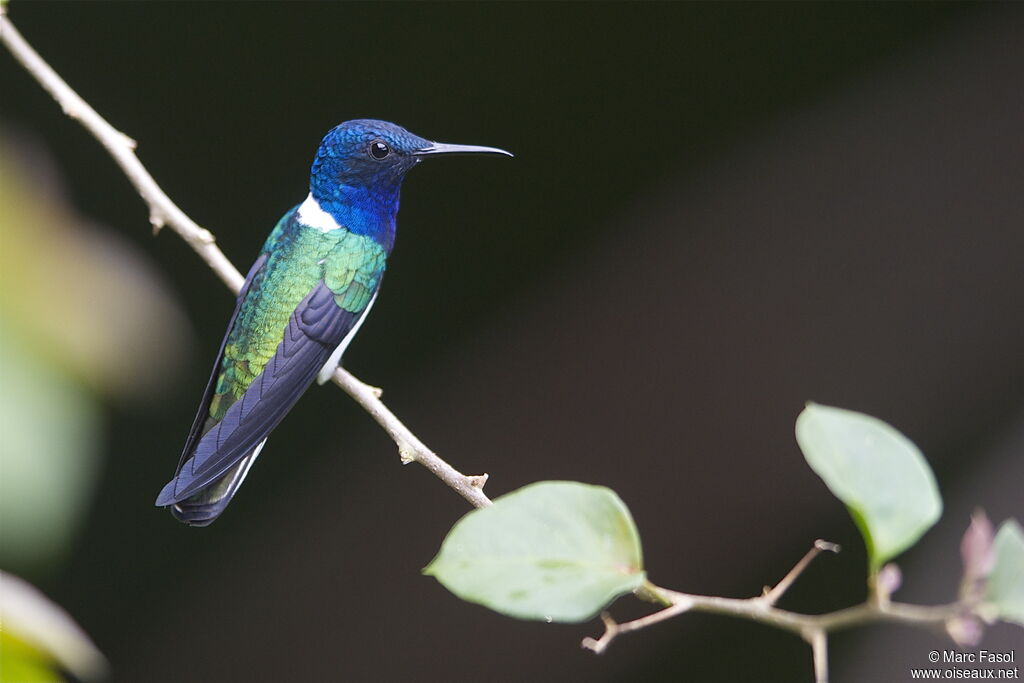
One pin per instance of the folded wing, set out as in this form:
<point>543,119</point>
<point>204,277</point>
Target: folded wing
<point>314,330</point>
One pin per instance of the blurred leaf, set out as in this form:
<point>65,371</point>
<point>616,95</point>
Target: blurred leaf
<point>85,299</point>
<point>1005,590</point>
<point>553,551</point>
<point>22,663</point>
<point>880,475</point>
<point>48,455</point>
<point>37,635</point>
<point>80,314</point>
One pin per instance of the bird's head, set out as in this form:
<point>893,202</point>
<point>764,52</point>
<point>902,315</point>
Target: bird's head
<point>361,163</point>
<point>366,154</point>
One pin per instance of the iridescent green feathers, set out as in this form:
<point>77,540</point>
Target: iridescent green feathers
<point>303,298</point>
<point>298,257</point>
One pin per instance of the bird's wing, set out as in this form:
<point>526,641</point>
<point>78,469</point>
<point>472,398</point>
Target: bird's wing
<point>256,381</point>
<point>314,330</point>
<point>203,414</point>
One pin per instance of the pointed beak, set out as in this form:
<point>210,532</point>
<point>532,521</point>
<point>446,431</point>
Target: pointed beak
<point>442,148</point>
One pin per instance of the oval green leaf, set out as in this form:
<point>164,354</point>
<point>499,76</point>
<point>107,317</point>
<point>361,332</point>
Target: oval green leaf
<point>877,472</point>
<point>1005,587</point>
<point>551,551</point>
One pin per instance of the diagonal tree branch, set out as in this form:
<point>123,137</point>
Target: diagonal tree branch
<point>164,212</point>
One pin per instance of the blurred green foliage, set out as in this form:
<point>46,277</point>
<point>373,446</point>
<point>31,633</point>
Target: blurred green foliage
<point>81,318</point>
<point>39,641</point>
<point>49,455</point>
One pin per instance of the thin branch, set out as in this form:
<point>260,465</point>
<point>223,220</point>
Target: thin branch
<point>164,212</point>
<point>756,609</point>
<point>814,628</point>
<point>818,639</point>
<point>612,629</point>
<point>772,596</point>
<point>410,448</point>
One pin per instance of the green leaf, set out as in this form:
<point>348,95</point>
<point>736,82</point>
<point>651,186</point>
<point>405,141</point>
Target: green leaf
<point>880,475</point>
<point>552,551</point>
<point>38,636</point>
<point>1005,588</point>
<point>49,450</point>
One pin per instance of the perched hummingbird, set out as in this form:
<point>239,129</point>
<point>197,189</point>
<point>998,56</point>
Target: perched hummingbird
<point>302,302</point>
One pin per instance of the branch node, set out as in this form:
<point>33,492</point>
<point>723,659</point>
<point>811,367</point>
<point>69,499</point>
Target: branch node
<point>887,582</point>
<point>128,141</point>
<point>406,454</point>
<point>71,110</point>
<point>376,391</point>
<point>204,236</point>
<point>598,646</point>
<point>648,592</point>
<point>477,481</point>
<point>157,220</point>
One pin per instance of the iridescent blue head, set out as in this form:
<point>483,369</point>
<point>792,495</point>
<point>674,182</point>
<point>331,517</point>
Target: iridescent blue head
<point>358,170</point>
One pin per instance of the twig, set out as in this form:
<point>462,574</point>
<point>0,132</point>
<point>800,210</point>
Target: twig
<point>164,212</point>
<point>613,629</point>
<point>814,628</point>
<point>819,648</point>
<point>772,596</point>
<point>410,448</point>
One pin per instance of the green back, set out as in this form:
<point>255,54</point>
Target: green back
<point>298,258</point>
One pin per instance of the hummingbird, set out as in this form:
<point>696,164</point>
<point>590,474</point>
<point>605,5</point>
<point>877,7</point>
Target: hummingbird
<point>303,300</point>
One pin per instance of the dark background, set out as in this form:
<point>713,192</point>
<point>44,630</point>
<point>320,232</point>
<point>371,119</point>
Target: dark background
<point>715,213</point>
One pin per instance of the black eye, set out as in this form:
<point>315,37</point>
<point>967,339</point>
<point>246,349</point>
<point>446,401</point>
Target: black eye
<point>379,149</point>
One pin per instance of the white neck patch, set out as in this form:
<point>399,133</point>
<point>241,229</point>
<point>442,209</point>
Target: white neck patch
<point>312,215</point>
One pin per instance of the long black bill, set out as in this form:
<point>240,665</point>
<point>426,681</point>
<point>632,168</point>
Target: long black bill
<point>442,148</point>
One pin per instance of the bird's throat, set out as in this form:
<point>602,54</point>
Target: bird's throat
<point>358,210</point>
